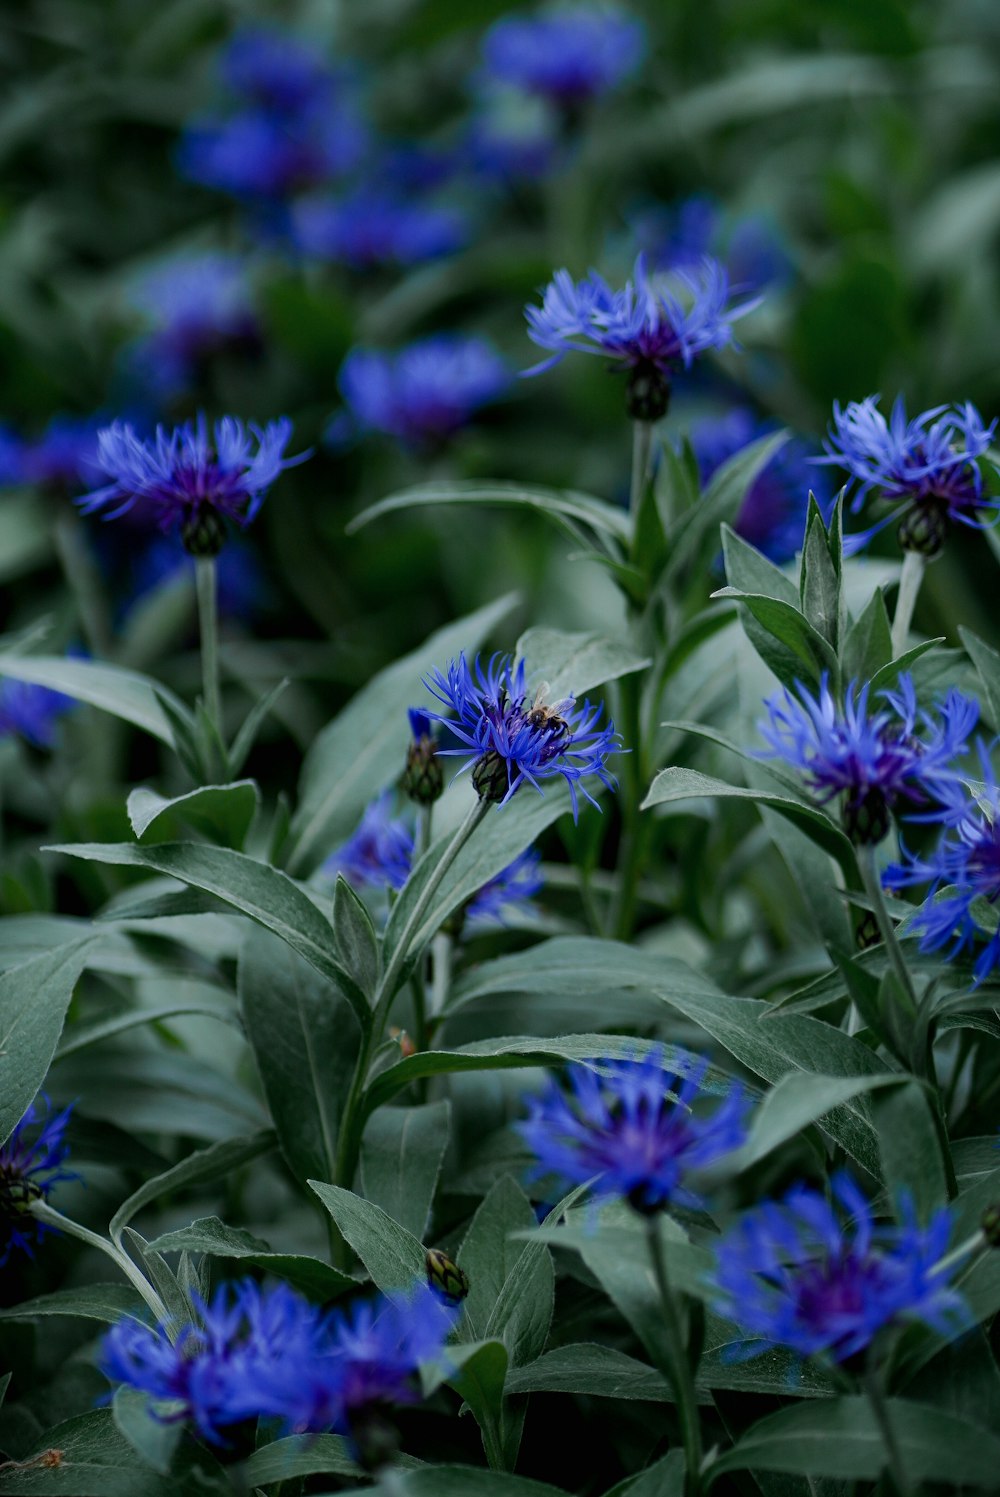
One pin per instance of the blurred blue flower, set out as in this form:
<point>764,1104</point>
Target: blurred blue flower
<point>512,890</point>
<point>803,1274</point>
<point>258,154</point>
<point>883,762</point>
<point>965,865</point>
<point>773,513</point>
<point>380,852</point>
<point>511,738</point>
<point>225,1363</point>
<point>30,712</point>
<point>185,480</point>
<point>681,236</point>
<point>510,139</point>
<point>569,54</point>
<point>64,457</point>
<point>927,469</point>
<point>648,327</point>
<point>199,306</point>
<point>11,458</point>
<point>370,228</point>
<point>636,1127</point>
<point>273,68</point>
<point>425,392</point>
<point>31,1164</point>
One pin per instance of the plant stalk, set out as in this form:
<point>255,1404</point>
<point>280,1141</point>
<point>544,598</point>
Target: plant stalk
<point>208,625</point>
<point>642,440</point>
<point>873,888</point>
<point>876,1397</point>
<point>677,1369</point>
<point>53,1218</point>
<point>914,566</point>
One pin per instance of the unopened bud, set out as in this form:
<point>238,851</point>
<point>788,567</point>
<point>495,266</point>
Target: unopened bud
<point>866,817</point>
<point>490,776</point>
<point>423,777</point>
<point>990,1223</point>
<point>647,395</point>
<point>866,932</point>
<point>445,1277</point>
<point>924,527</point>
<point>204,531</point>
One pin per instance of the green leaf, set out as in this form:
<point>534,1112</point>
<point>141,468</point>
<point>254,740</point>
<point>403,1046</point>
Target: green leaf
<point>490,1252</point>
<point>663,1479</point>
<point>819,582</point>
<point>80,1036</point>
<point>354,934</point>
<point>987,663</point>
<point>479,1377</point>
<point>266,894</point>
<point>797,1101</point>
<point>679,784</point>
<point>199,1168</point>
<point>134,698</point>
<point>394,1258</point>
<point>401,1156</point>
<point>105,1302</point>
<point>34,998</point>
<point>748,572</point>
<point>305,1040</point>
<point>221,812</point>
<point>364,748</point>
<point>4,1384</point>
<point>594,1370</point>
<point>785,639</point>
<point>153,1439</point>
<point>252,723</point>
<point>463,1481</point>
<point>571,664</point>
<point>300,1455</point>
<point>211,1236</point>
<point>97,1461</point>
<point>557,504</point>
<point>839,1437</point>
<point>868,645</point>
<point>910,1145</point>
<point>720,503</point>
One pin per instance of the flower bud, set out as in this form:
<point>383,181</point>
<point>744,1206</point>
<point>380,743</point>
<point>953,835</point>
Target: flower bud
<point>924,528</point>
<point>866,817</point>
<point>866,932</point>
<point>990,1223</point>
<point>423,778</point>
<point>445,1277</point>
<point>647,394</point>
<point>490,776</point>
<point>203,532</point>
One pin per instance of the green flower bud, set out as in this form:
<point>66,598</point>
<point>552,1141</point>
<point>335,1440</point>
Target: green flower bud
<point>924,528</point>
<point>490,777</point>
<point>423,777</point>
<point>445,1277</point>
<point>204,531</point>
<point>990,1223</point>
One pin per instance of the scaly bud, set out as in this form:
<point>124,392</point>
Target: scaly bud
<point>445,1277</point>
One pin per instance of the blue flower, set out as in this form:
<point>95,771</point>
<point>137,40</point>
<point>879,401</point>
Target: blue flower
<point>427,391</point>
<point>648,327</point>
<point>883,762</point>
<point>31,712</point>
<point>275,69</point>
<point>184,480</point>
<point>634,1126</point>
<point>927,469</point>
<point>773,513</point>
<point>370,228</point>
<point>683,235</point>
<point>966,865</point>
<point>510,140</point>
<point>199,306</point>
<point>569,54</point>
<point>802,1274</point>
<point>513,738</point>
<point>31,1164</point>
<point>12,449</point>
<point>226,1364</point>
<point>64,457</point>
<point>512,889</point>
<point>380,853</point>
<point>257,154</point>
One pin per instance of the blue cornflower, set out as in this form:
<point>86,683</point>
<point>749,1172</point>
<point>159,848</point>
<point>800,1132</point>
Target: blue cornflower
<point>427,391</point>
<point>648,327</point>
<point>274,68</point>
<point>371,228</point>
<point>773,513</point>
<point>30,1166</point>
<point>64,457</point>
<point>635,1128</point>
<point>795,1273</point>
<point>966,865</point>
<point>30,712</point>
<point>12,449</point>
<point>512,889</point>
<point>927,468</point>
<point>883,762</point>
<point>185,481</point>
<point>380,852</point>
<point>513,738</point>
<point>199,306</point>
<point>259,154</point>
<point>228,1362</point>
<point>569,54</point>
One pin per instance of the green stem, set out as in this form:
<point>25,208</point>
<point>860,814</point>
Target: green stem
<point>876,1397</point>
<point>642,439</point>
<point>208,624</point>
<point>914,566</point>
<point>441,959</point>
<point>630,849</point>
<point>53,1218</point>
<point>677,1368</point>
<point>84,582</point>
<point>873,888</point>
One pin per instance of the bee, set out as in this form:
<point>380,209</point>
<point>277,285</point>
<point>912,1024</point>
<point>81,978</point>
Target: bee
<point>545,717</point>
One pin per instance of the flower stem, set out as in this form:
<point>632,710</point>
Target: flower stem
<point>84,582</point>
<point>873,888</point>
<point>876,1397</point>
<point>914,565</point>
<point>642,438</point>
<point>622,916</point>
<point>53,1218</point>
<point>677,1368</point>
<point>208,624</point>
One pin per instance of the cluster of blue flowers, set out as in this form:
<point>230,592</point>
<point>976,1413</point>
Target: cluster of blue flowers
<point>31,1165</point>
<point>897,759</point>
<point>510,737</point>
<point>269,1353</point>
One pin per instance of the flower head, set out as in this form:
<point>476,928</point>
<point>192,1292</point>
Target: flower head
<point>882,762</point>
<point>368,229</point>
<point>635,1127</point>
<point>512,890</point>
<point>274,69</point>
<point>380,853</point>
<point>570,54</point>
<point>31,1163</point>
<point>965,864</point>
<point>927,469</point>
<point>801,1273</point>
<point>772,516</point>
<point>199,306</point>
<point>652,327</point>
<point>513,738</point>
<point>190,482</point>
<point>31,712</point>
<point>427,391</point>
<point>260,155</point>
